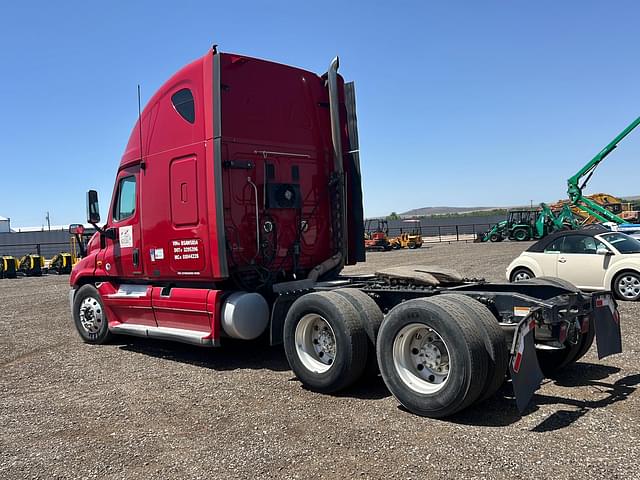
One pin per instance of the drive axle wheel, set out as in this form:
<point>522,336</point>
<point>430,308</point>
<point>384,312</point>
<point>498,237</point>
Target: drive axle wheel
<point>325,342</point>
<point>370,318</point>
<point>627,286</point>
<point>89,316</point>
<point>432,357</point>
<point>421,358</point>
<point>552,361</point>
<point>315,343</point>
<point>494,341</point>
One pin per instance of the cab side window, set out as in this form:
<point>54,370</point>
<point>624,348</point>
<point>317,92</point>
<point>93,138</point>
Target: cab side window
<point>125,205</point>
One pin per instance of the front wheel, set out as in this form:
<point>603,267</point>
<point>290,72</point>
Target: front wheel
<point>494,237</point>
<point>521,274</point>
<point>627,286</point>
<point>89,316</point>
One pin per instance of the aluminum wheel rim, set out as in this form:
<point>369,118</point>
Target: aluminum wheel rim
<point>315,343</point>
<point>629,286</point>
<point>520,276</point>
<point>421,358</point>
<point>91,315</point>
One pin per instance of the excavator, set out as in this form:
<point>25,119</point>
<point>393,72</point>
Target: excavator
<point>528,224</point>
<point>588,204</point>
<point>612,203</point>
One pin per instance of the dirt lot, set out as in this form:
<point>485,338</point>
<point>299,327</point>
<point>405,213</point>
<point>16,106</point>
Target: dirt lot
<point>143,408</point>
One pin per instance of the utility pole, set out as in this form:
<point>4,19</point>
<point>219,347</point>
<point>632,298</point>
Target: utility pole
<point>48,222</point>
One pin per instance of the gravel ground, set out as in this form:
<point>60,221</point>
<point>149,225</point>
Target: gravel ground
<point>148,409</point>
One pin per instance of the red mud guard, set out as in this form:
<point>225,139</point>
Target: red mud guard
<point>607,322</point>
<point>526,375</point>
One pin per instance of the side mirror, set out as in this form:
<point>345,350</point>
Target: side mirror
<point>603,251</point>
<point>76,229</point>
<point>93,209</point>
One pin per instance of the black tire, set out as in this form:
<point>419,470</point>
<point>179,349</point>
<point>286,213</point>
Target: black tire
<point>465,346</point>
<point>552,361</point>
<point>90,317</point>
<point>521,271</point>
<point>494,237</point>
<point>370,318</point>
<point>627,277</point>
<point>349,335</point>
<point>520,234</point>
<point>586,341</point>
<point>494,341</point>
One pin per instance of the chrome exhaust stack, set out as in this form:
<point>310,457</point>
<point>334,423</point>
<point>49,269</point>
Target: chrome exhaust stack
<point>340,223</point>
<point>332,79</point>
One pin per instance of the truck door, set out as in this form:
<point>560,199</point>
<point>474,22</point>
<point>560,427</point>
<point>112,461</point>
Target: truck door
<point>122,257</point>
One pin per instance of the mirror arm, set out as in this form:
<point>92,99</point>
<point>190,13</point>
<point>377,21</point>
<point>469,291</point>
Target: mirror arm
<point>97,227</point>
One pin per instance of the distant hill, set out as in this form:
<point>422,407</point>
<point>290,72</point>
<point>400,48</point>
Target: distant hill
<point>478,211</point>
<point>427,211</point>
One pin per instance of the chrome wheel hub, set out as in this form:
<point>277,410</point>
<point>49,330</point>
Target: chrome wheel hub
<point>91,315</point>
<point>520,276</point>
<point>315,343</point>
<point>421,358</point>
<point>629,286</point>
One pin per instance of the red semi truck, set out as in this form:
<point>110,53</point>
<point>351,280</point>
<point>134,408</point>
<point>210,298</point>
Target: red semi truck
<point>236,205</point>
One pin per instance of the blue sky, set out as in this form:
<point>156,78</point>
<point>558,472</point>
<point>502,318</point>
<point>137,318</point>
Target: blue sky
<point>459,103</point>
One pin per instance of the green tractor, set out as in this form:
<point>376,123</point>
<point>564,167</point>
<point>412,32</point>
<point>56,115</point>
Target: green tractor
<point>531,223</point>
<point>520,225</point>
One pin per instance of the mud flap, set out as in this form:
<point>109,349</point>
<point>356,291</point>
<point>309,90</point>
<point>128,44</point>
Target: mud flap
<point>526,375</point>
<point>607,324</point>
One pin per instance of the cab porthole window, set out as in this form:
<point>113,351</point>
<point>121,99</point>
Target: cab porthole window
<point>182,101</point>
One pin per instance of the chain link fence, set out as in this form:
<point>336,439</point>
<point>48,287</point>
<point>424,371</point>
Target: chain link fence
<point>446,233</point>
<point>430,234</point>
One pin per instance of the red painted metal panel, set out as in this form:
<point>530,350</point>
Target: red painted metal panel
<point>185,308</point>
<point>184,192</point>
<point>127,308</point>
